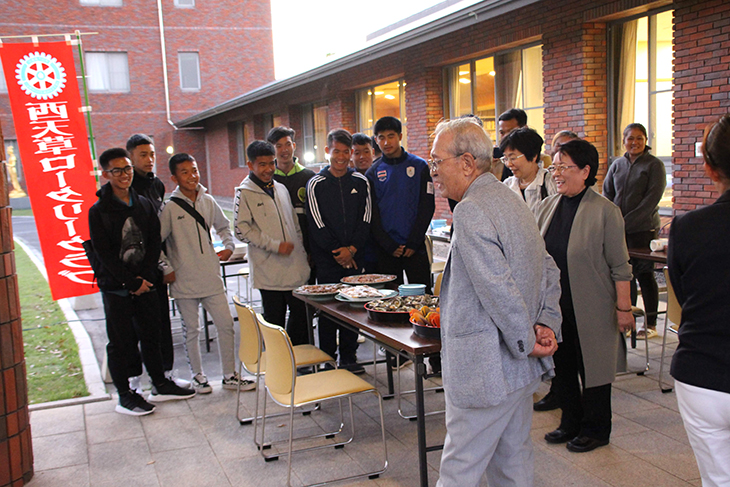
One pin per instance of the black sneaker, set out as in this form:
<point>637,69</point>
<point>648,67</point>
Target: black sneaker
<point>133,404</point>
<point>353,367</point>
<point>169,391</point>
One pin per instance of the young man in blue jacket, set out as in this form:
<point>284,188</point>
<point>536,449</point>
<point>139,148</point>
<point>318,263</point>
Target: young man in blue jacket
<point>339,208</point>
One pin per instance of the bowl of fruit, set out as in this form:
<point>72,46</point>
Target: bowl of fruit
<point>426,322</point>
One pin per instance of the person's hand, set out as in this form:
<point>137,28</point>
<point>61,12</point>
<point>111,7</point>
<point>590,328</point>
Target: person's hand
<point>399,251</point>
<point>545,342</point>
<point>625,321</point>
<point>225,254</point>
<point>168,278</point>
<point>144,288</point>
<point>342,256</point>
<point>286,248</point>
<point>408,253</point>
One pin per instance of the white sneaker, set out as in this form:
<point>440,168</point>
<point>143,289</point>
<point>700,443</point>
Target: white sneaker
<point>185,384</point>
<point>135,384</point>
<point>201,385</point>
<point>360,339</point>
<point>231,383</point>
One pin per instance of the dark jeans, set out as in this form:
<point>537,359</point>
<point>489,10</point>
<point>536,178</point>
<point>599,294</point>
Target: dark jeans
<point>129,320</point>
<point>586,412</point>
<point>644,273</point>
<point>327,329</point>
<point>166,347</point>
<point>417,268</point>
<point>275,304</point>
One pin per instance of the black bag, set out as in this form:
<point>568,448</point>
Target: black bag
<point>193,212</point>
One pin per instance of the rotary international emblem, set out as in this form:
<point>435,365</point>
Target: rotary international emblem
<point>41,76</point>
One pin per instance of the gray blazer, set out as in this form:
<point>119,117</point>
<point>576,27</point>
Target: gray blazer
<point>597,258</point>
<point>498,283</point>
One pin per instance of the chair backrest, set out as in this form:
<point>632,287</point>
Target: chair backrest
<point>437,286</point>
<point>280,368</point>
<point>250,347</point>
<point>674,310</point>
<point>429,249</point>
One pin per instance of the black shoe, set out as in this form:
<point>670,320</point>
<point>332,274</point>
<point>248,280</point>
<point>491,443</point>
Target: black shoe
<point>559,436</point>
<point>583,444</point>
<point>133,404</point>
<point>169,391</point>
<point>353,367</point>
<point>547,403</point>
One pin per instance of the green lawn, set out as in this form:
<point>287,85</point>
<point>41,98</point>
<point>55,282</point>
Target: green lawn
<point>26,212</point>
<point>51,355</point>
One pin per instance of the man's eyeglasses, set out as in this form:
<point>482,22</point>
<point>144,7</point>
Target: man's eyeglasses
<point>433,164</point>
<point>558,168</point>
<point>117,171</point>
<point>510,160</point>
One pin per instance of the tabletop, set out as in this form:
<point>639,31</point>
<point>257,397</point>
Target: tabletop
<point>647,254</point>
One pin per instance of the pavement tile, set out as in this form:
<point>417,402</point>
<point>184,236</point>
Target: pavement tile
<point>665,421</point>
<point>661,451</point>
<point>173,433</point>
<point>76,476</point>
<point>637,473</point>
<point>114,460</point>
<point>54,421</point>
<point>56,451</point>
<point>105,427</point>
<point>191,467</point>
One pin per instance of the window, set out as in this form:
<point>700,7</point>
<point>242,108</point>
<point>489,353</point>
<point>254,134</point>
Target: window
<point>489,86</point>
<point>642,77</point>
<point>102,3</point>
<point>314,132</point>
<point>380,101</point>
<point>242,138</point>
<point>189,70</point>
<point>185,3</point>
<point>3,84</point>
<point>107,72</point>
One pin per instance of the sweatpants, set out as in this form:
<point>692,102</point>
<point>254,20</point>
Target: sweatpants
<point>217,307</point>
<point>130,319</point>
<point>494,439</point>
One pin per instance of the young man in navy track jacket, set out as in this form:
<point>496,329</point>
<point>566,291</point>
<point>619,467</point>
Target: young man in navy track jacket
<point>339,208</point>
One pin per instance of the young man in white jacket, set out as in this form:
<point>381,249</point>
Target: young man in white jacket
<point>194,268</point>
<point>266,220</point>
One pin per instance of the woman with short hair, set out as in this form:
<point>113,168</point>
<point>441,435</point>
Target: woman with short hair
<point>584,233</point>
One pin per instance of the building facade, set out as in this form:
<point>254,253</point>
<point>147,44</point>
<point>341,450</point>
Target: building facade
<point>213,52</point>
<point>587,66</point>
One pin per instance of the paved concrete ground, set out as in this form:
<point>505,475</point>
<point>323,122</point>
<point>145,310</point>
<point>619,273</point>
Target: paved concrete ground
<point>199,442</point>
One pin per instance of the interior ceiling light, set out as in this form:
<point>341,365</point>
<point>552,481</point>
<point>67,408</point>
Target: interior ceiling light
<point>463,73</point>
<point>378,93</point>
<point>464,81</point>
<point>389,97</point>
<point>492,73</point>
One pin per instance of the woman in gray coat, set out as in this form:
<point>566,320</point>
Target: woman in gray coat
<point>584,233</point>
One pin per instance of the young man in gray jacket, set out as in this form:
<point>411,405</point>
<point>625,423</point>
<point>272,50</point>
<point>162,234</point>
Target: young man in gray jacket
<point>266,220</point>
<point>194,268</point>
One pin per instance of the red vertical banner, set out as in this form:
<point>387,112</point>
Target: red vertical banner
<point>54,147</point>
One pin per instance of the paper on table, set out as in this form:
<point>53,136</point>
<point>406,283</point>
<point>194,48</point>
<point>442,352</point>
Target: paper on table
<point>659,244</point>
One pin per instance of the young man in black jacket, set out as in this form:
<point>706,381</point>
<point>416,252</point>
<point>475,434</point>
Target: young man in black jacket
<point>339,208</point>
<point>125,234</point>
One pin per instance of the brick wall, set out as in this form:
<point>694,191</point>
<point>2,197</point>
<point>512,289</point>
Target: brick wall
<point>701,90</point>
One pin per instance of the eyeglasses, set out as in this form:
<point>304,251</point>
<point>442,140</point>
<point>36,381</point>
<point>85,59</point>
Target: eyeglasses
<point>510,160</point>
<point>117,171</point>
<point>559,168</point>
<point>433,164</point>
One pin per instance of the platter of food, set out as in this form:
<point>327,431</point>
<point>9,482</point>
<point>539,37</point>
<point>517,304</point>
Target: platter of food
<point>397,309</point>
<point>320,291</point>
<point>373,280</point>
<point>363,294</point>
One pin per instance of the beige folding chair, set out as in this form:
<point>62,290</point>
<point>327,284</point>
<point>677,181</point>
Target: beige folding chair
<point>674,314</point>
<point>291,391</point>
<point>252,359</point>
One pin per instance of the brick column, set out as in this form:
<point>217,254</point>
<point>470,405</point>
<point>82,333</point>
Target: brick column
<point>16,452</point>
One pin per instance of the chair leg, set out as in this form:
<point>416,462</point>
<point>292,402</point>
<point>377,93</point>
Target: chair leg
<point>291,441</point>
<point>661,363</point>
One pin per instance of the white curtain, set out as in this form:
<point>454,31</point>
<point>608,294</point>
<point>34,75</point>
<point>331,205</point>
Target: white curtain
<point>626,93</point>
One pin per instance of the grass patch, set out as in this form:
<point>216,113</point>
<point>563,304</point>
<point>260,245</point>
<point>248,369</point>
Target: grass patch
<point>25,212</point>
<point>51,355</point>
<point>229,215</point>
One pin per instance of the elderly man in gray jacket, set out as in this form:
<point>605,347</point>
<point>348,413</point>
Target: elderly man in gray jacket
<point>500,316</point>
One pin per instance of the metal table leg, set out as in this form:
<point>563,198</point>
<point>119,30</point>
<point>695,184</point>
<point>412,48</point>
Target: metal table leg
<point>420,369</point>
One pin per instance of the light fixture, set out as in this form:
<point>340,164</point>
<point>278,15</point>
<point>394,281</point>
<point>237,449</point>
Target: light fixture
<point>389,97</point>
<point>308,157</point>
<point>370,93</point>
<point>492,73</point>
<point>464,81</point>
<point>378,93</point>
<point>463,73</point>
<point>169,150</point>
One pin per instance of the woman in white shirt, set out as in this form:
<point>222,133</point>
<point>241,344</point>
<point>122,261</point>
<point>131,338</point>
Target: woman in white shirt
<point>521,149</point>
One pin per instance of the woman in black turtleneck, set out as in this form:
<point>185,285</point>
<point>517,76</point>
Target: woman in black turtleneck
<point>584,233</point>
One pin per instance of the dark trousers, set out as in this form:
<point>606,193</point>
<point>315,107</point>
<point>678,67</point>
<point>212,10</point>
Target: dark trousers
<point>327,329</point>
<point>129,320</point>
<point>166,347</point>
<point>644,273</point>
<point>416,267</point>
<point>275,304</point>
<point>586,412</point>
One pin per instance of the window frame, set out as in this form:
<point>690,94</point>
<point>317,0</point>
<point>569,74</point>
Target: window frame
<point>108,67</point>
<point>179,5</point>
<point>401,108</point>
<point>99,3</point>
